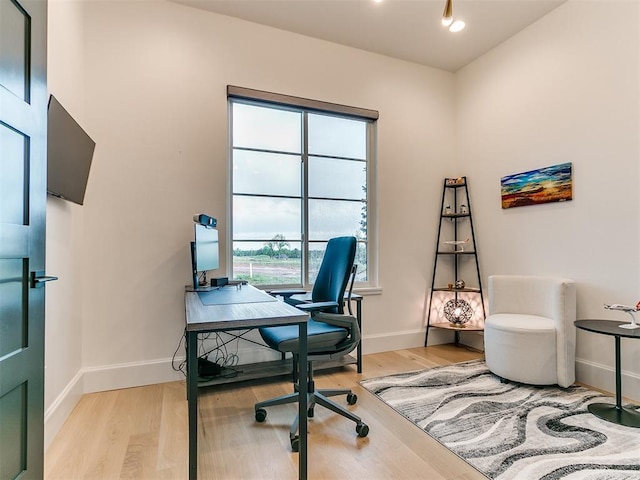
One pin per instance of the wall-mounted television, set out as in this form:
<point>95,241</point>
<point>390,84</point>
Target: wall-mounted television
<point>69,154</point>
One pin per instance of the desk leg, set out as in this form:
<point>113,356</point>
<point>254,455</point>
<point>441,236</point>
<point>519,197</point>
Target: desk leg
<point>192,402</point>
<point>618,375</point>
<point>359,349</point>
<point>616,414</point>
<point>302,401</point>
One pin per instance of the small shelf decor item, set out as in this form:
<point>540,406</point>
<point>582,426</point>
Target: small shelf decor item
<point>455,181</point>
<point>458,312</point>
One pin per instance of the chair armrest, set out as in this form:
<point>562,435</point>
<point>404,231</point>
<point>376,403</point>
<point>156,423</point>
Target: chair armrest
<point>336,319</point>
<point>344,321</point>
<point>316,306</point>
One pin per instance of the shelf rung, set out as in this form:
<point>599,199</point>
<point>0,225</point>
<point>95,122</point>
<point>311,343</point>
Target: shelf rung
<point>453,290</point>
<point>456,253</point>
<point>448,326</point>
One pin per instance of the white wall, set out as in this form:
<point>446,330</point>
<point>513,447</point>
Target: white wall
<point>153,98</point>
<point>155,103</point>
<point>165,67</point>
<point>564,90</point>
<point>65,235</point>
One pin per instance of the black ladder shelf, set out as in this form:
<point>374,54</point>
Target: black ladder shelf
<point>460,253</point>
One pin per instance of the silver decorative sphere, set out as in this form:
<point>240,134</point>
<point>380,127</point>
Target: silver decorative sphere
<point>458,312</point>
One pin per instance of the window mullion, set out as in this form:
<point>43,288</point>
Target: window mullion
<point>305,200</point>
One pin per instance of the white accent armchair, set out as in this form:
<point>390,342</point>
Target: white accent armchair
<point>529,334</point>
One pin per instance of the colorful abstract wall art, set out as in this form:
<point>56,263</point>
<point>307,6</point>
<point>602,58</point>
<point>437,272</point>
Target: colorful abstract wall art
<point>544,185</point>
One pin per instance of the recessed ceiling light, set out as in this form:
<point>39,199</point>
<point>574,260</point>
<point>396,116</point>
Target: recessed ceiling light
<point>457,26</point>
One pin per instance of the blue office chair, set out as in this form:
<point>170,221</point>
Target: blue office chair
<point>330,334</point>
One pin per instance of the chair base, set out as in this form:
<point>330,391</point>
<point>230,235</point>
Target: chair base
<point>319,397</point>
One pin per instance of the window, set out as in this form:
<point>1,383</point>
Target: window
<point>301,174</point>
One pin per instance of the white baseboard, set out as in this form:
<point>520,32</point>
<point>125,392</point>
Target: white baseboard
<point>392,341</point>
<point>473,339</point>
<point>603,377</point>
<point>61,408</point>
<point>127,375</point>
<point>415,338</point>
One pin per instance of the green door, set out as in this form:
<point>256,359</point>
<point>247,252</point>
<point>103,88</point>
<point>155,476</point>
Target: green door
<point>23,121</point>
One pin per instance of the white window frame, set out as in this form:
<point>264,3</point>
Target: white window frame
<point>261,98</point>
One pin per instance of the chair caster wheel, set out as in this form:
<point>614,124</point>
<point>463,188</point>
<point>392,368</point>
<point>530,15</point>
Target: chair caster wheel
<point>261,415</point>
<point>310,413</point>
<point>295,444</point>
<point>352,398</point>
<point>362,429</point>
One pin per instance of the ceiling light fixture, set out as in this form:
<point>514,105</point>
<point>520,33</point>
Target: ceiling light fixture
<point>447,18</point>
<point>447,15</point>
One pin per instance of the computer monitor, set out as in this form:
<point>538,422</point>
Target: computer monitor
<point>205,254</point>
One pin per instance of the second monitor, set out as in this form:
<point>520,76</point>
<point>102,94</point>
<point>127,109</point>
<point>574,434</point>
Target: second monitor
<point>205,254</point>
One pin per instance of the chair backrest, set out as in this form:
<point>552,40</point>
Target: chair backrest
<point>551,297</point>
<point>334,272</point>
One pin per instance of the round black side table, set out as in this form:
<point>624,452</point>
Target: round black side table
<point>613,413</point>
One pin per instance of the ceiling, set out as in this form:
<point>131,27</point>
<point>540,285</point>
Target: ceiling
<point>405,29</point>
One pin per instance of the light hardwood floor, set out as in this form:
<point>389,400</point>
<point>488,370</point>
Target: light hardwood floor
<point>141,433</point>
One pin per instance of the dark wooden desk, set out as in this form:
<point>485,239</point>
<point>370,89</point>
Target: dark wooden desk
<point>230,309</point>
<point>613,413</point>
<point>284,366</point>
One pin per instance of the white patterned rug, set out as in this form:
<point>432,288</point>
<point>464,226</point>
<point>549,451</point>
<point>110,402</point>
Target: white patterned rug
<point>510,430</point>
